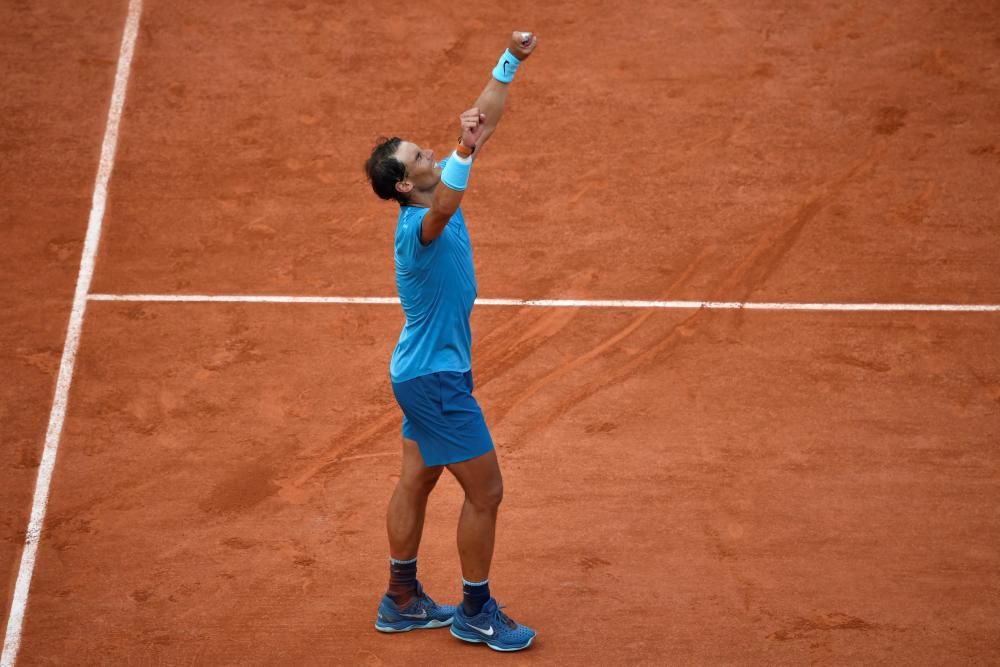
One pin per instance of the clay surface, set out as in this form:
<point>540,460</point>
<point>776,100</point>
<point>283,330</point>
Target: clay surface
<point>682,487</point>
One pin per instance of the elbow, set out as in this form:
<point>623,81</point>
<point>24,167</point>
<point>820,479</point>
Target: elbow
<point>446,201</point>
<point>443,210</point>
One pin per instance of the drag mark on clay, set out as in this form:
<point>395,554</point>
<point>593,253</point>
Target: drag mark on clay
<point>803,628</point>
<point>588,356</point>
<point>775,244</point>
<point>603,427</point>
<point>643,360</point>
<point>498,354</point>
<point>856,362</point>
<point>389,420</point>
<point>592,562</point>
<point>986,150</point>
<point>502,410</point>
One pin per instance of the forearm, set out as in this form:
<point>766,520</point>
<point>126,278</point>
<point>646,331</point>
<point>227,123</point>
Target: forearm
<point>491,102</point>
<point>454,180</point>
<point>493,99</point>
<point>447,200</point>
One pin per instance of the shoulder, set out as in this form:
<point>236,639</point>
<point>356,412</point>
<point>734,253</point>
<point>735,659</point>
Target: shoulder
<point>408,214</point>
<point>408,232</point>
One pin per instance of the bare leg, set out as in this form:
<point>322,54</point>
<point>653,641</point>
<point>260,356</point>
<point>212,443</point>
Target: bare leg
<point>405,518</point>
<point>480,479</point>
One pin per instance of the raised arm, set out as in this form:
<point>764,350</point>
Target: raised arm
<point>448,194</point>
<point>493,99</point>
<point>478,123</point>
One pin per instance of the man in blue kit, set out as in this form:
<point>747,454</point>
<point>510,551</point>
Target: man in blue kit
<point>431,374</point>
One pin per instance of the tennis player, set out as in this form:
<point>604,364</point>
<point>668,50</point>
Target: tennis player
<point>431,373</point>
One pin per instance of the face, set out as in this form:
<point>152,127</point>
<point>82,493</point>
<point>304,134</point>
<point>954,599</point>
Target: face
<point>422,173</point>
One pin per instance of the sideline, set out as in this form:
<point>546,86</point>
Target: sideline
<point>19,602</point>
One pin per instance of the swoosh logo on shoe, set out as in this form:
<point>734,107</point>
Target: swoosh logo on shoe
<point>422,614</point>
<point>488,632</point>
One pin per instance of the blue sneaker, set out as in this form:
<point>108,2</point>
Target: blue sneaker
<point>493,628</point>
<point>422,612</point>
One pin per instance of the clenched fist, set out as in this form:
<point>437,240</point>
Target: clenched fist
<point>473,124</point>
<point>522,44</point>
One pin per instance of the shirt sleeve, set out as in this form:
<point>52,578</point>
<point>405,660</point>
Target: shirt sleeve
<point>408,245</point>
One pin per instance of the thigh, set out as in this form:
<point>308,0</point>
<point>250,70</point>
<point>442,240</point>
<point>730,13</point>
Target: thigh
<point>480,475</point>
<point>414,471</point>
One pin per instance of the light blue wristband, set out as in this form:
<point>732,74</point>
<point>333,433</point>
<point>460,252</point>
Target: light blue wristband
<point>506,67</point>
<point>456,170</point>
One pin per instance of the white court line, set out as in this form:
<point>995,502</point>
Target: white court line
<point>566,303</point>
<point>12,638</point>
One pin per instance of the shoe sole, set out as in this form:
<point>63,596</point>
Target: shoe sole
<point>426,626</point>
<point>480,640</point>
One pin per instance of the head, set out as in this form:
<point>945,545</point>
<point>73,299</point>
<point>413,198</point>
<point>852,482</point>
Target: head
<point>400,169</point>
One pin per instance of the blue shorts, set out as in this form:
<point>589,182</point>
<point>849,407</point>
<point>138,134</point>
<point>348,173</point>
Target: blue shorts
<point>441,415</point>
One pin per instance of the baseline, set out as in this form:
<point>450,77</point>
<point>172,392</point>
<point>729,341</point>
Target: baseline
<point>566,303</point>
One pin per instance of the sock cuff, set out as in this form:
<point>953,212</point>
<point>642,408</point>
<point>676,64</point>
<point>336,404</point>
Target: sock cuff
<point>475,583</point>
<point>393,561</point>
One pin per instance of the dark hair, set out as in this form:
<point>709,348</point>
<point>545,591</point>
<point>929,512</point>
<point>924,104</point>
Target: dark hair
<point>384,170</point>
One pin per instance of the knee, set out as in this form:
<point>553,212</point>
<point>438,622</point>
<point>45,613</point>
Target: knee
<point>420,485</point>
<point>487,498</point>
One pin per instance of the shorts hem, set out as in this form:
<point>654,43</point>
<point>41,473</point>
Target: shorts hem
<point>457,457</point>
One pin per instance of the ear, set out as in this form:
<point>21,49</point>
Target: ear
<point>403,186</point>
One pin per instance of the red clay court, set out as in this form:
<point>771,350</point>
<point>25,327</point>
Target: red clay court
<point>732,479</point>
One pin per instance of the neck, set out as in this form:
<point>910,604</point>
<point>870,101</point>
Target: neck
<point>422,198</point>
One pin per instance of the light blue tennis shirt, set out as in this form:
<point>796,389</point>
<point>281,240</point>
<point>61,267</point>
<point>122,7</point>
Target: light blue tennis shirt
<point>437,287</point>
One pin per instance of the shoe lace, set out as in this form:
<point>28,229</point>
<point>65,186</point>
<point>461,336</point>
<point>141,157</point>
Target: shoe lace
<point>504,618</point>
<point>424,598</point>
